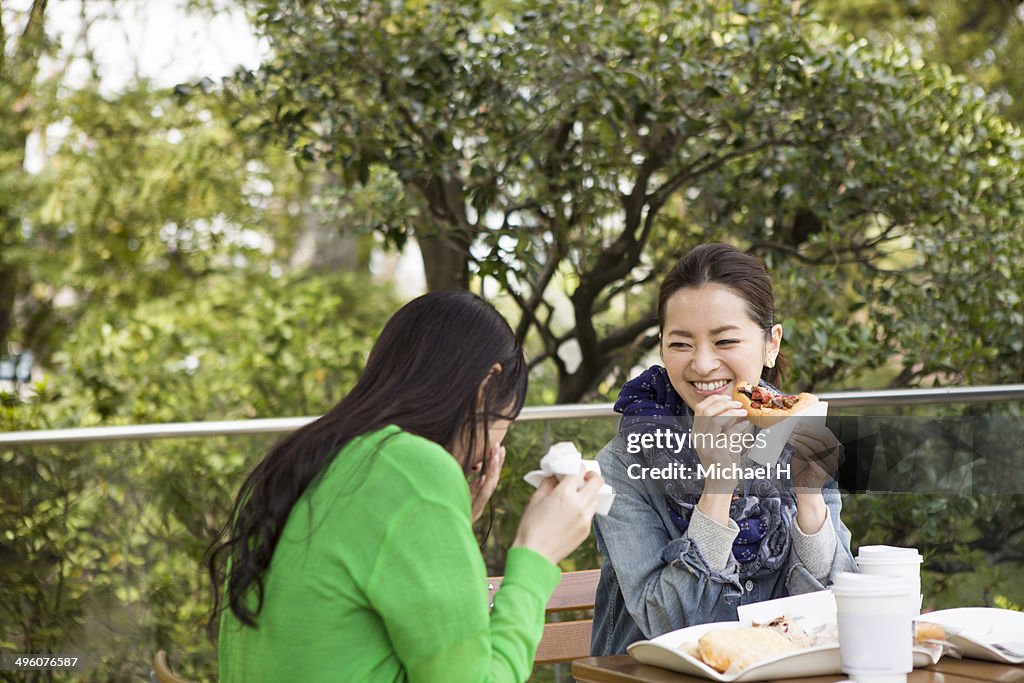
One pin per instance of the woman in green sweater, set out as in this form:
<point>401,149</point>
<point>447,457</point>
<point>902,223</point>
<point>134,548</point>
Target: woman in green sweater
<point>350,554</point>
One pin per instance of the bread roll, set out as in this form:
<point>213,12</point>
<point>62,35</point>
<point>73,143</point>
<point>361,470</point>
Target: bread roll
<point>740,647</point>
<point>925,631</point>
<point>690,648</point>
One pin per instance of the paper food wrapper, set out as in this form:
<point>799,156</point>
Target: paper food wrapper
<point>813,610</point>
<point>777,435</point>
<point>563,458</point>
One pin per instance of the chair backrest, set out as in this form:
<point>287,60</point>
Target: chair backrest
<point>162,671</point>
<point>565,641</point>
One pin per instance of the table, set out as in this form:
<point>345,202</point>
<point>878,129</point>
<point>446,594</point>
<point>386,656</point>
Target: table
<point>982,671</point>
<point>625,669</point>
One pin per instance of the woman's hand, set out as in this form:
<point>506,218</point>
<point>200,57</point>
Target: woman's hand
<point>817,458</point>
<point>482,488</point>
<point>816,461</point>
<point>713,417</point>
<point>557,518</point>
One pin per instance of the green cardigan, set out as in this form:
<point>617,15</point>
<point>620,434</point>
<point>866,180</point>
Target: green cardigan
<point>378,577</point>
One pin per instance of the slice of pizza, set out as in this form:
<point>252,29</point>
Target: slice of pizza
<point>764,408</point>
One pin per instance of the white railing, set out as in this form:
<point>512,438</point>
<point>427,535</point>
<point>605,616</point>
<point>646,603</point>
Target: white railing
<point>278,425</point>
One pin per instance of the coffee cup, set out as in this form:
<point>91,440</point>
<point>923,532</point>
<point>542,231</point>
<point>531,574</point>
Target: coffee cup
<point>876,635</point>
<point>887,560</point>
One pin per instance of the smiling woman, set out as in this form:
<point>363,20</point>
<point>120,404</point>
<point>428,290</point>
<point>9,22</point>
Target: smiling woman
<point>711,339</point>
<point>690,548</point>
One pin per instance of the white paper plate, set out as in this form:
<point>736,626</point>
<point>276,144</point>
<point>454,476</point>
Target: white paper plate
<point>823,660</point>
<point>975,629</point>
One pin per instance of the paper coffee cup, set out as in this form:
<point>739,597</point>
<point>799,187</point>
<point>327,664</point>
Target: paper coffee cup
<point>876,635</point>
<point>887,560</point>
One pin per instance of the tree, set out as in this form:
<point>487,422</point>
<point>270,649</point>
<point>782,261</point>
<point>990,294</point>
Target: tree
<point>590,144</point>
<point>132,194</point>
<point>19,65</point>
<point>982,40</point>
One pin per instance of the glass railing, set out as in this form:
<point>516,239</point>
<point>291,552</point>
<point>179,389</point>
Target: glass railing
<point>837,400</point>
<point>102,529</point>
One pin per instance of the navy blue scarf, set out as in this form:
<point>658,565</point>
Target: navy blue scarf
<point>765,513</point>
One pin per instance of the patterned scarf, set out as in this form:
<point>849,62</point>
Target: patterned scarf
<point>765,513</point>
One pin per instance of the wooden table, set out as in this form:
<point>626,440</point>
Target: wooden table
<point>625,669</point>
<point>981,671</point>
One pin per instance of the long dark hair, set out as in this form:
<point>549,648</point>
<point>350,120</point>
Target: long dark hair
<point>424,375</point>
<point>742,273</point>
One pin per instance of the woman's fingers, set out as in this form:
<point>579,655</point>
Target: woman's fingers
<point>496,462</point>
<point>547,485</point>
<point>493,474</point>
<point>592,489</point>
<point>570,482</point>
<point>822,446</point>
<point>815,431</point>
<point>586,485</point>
<point>817,458</point>
<point>483,487</point>
<point>809,450</point>
<point>717,406</point>
<point>559,515</point>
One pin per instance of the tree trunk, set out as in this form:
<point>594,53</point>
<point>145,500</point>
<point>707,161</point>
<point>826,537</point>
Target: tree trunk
<point>445,261</point>
<point>8,289</point>
<point>573,388</point>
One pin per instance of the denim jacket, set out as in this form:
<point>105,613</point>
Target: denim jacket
<point>653,577</point>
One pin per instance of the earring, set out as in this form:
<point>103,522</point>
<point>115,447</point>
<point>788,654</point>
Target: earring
<point>770,363</point>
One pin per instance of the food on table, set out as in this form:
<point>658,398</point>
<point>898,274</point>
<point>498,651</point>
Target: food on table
<point>738,648</point>
<point>926,631</point>
<point>735,649</point>
<point>691,648</point>
<point>786,626</point>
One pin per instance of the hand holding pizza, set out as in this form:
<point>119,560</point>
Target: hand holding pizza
<point>714,418</point>
<point>818,455</point>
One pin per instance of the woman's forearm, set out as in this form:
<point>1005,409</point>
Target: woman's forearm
<point>810,512</point>
<point>715,505</point>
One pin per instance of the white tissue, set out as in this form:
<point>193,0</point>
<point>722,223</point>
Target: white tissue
<point>563,458</point>
<point>767,451</point>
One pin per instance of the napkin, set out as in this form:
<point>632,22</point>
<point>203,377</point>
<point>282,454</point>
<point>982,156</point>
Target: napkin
<point>776,436</point>
<point>563,458</point>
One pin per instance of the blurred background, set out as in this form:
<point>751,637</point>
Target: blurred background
<point>208,208</point>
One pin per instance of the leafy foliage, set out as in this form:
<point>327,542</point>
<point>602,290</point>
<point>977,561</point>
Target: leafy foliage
<point>101,544</point>
<point>972,543</point>
<point>589,144</point>
<point>116,198</point>
<point>565,151</point>
<point>982,40</point>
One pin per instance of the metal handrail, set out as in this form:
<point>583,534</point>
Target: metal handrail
<point>279,425</point>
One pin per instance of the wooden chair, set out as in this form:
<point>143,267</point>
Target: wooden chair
<point>162,671</point>
<point>566,640</point>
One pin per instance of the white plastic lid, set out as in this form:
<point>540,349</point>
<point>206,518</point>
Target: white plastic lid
<point>849,584</point>
<point>887,554</point>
